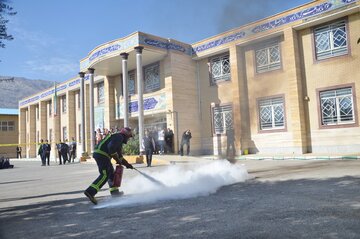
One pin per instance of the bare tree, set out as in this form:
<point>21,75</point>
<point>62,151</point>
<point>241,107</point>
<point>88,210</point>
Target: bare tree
<point>5,10</point>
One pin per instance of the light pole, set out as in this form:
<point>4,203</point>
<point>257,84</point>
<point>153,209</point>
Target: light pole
<point>176,127</point>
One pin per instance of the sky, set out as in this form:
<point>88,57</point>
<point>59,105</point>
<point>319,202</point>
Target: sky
<point>52,36</point>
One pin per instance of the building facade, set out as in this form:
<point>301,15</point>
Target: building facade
<point>287,84</point>
<point>9,129</point>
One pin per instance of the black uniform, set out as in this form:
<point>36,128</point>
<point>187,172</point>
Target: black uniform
<point>109,147</point>
<point>46,148</point>
<point>64,150</point>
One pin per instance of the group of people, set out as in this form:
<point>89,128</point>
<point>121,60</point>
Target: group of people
<point>164,141</point>
<point>66,151</point>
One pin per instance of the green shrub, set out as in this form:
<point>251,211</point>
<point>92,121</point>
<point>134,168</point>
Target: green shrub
<point>132,146</point>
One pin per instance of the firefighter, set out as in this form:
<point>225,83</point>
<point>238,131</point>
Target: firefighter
<point>109,147</point>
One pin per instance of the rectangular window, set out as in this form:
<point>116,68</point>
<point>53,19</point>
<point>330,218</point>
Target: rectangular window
<point>337,107</point>
<point>50,135</point>
<point>222,119</point>
<point>220,69</point>
<point>268,58</point>
<point>101,93</point>
<point>272,113</point>
<point>7,125</point>
<point>331,40</point>
<point>152,77</point>
<point>11,125</point>
<point>50,108</point>
<point>131,83</point>
<point>78,100</point>
<point>63,102</point>
<point>79,134</point>
<point>37,112</point>
<point>64,129</point>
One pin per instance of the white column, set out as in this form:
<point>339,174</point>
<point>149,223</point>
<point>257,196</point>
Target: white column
<point>92,119</point>
<point>139,72</point>
<point>125,88</point>
<point>82,107</point>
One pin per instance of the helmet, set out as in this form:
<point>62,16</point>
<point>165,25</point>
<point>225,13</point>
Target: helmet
<point>127,132</point>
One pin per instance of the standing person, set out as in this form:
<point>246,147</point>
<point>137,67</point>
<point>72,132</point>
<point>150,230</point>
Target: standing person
<point>64,150</point>
<point>148,144</point>
<point>185,140</point>
<point>46,152</point>
<point>161,140</point>
<point>40,152</point>
<point>72,149</point>
<point>169,137</point>
<point>110,147</point>
<point>58,147</point>
<point>18,151</point>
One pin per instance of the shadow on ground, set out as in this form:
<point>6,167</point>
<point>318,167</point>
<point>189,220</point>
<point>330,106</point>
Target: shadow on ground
<point>288,209</point>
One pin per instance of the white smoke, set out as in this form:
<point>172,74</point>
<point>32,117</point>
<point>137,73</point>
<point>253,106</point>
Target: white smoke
<point>181,181</point>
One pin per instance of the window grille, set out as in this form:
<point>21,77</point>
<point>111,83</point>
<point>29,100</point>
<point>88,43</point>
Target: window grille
<point>65,134</point>
<point>79,134</point>
<point>50,108</point>
<point>337,107</point>
<point>331,40</point>
<point>131,83</point>
<point>268,58</point>
<point>78,100</point>
<point>101,93</point>
<point>220,69</point>
<point>152,78</point>
<point>222,118</point>
<point>7,125</point>
<point>272,114</point>
<point>64,107</point>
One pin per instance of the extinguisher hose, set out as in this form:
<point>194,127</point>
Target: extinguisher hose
<point>151,178</point>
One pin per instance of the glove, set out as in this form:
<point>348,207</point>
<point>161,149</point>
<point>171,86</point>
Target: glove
<point>129,166</point>
<point>126,164</point>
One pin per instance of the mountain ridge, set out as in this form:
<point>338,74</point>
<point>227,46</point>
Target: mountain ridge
<point>13,89</point>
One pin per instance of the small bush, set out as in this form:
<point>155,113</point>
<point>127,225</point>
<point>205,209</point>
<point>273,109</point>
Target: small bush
<point>132,146</point>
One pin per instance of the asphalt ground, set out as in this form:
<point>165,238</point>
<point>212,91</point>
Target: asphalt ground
<point>285,199</point>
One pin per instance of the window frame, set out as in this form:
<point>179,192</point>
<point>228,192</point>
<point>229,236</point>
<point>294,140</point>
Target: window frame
<point>101,100</point>
<point>63,104</point>
<point>355,113</point>
<point>276,129</point>
<point>157,64</point>
<point>271,66</point>
<point>64,133</point>
<point>132,73</point>
<point>213,108</point>
<point>331,56</point>
<point>223,77</point>
<point>6,127</point>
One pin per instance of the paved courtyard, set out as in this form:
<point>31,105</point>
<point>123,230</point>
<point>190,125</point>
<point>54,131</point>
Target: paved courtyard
<point>285,199</point>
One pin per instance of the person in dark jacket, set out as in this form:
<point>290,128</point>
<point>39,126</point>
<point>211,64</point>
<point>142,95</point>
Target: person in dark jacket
<point>40,152</point>
<point>46,148</point>
<point>18,151</point>
<point>148,144</point>
<point>72,150</point>
<point>64,150</point>
<point>185,140</point>
<point>58,147</point>
<point>109,147</point>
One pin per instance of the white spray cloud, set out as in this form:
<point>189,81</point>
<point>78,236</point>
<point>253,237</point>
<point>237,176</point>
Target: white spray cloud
<point>181,181</point>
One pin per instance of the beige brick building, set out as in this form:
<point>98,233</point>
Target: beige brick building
<point>287,84</point>
<point>9,119</point>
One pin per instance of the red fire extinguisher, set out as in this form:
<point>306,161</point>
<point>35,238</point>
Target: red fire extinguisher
<point>118,175</point>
